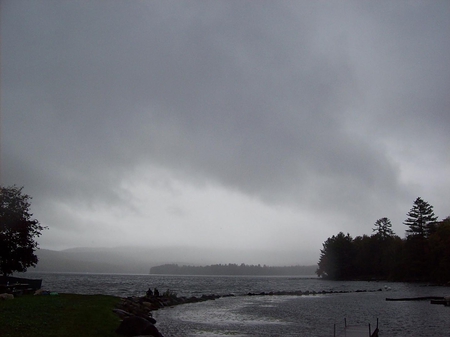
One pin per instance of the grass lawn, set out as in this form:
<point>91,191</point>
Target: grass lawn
<point>64,315</point>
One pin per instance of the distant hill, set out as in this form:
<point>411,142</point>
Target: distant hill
<point>139,260</point>
<point>88,261</point>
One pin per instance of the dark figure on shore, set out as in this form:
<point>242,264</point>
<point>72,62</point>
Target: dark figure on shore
<point>149,293</point>
<point>156,292</point>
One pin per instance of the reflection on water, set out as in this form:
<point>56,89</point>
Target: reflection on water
<point>304,316</point>
<point>271,315</point>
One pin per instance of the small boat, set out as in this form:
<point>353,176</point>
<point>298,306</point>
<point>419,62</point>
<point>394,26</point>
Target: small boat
<point>444,300</point>
<point>19,285</point>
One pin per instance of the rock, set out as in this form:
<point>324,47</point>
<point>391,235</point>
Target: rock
<point>122,313</point>
<point>135,326</point>
<point>150,306</point>
<point>150,319</point>
<point>6,296</point>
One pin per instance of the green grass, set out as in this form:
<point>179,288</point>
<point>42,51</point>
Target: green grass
<point>65,315</point>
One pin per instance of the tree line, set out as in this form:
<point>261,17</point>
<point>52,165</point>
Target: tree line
<point>422,255</point>
<point>232,269</point>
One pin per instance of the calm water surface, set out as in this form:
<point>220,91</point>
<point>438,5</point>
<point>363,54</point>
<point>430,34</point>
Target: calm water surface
<point>271,315</point>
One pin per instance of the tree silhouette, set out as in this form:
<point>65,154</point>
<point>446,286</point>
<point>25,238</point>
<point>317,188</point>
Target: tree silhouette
<point>336,259</point>
<point>440,251</point>
<point>423,255</point>
<point>421,219</point>
<point>383,228</point>
<point>17,231</point>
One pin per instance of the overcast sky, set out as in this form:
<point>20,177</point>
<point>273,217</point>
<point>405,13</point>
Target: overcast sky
<point>241,125</point>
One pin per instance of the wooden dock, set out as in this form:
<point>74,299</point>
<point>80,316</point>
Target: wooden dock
<point>357,331</point>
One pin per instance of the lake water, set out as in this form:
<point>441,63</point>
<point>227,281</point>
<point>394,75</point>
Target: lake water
<point>313,315</point>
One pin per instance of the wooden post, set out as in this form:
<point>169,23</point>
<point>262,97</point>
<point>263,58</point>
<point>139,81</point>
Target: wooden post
<point>334,332</point>
<point>370,331</point>
<point>345,322</point>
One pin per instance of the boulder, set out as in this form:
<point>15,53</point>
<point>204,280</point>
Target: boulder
<point>135,326</point>
<point>6,296</point>
<point>122,313</point>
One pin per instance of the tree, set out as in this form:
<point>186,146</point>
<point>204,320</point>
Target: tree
<point>17,231</point>
<point>440,252</point>
<point>337,257</point>
<point>383,228</point>
<point>421,219</point>
<point>366,257</point>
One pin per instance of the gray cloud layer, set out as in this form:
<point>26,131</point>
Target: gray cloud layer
<point>334,108</point>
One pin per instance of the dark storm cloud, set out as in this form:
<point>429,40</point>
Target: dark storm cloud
<point>288,102</point>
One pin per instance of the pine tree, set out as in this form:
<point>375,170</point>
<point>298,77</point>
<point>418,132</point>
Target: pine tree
<point>337,257</point>
<point>421,219</point>
<point>383,228</point>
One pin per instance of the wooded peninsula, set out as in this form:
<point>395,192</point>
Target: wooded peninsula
<point>423,255</point>
<point>232,269</point>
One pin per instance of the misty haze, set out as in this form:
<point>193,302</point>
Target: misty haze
<point>287,160</point>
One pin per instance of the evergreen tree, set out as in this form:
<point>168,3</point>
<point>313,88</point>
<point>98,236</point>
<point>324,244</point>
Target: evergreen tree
<point>337,258</point>
<point>383,228</point>
<point>440,252</point>
<point>421,219</point>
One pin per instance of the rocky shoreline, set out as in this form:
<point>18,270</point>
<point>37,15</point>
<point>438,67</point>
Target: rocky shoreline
<point>136,312</point>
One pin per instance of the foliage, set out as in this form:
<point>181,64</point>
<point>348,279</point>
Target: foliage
<point>17,231</point>
<point>336,259</point>
<point>421,219</point>
<point>424,255</point>
<point>383,228</point>
<point>232,269</point>
<point>439,243</point>
<point>64,315</point>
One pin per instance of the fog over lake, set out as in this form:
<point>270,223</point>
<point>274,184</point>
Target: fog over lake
<point>223,131</point>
